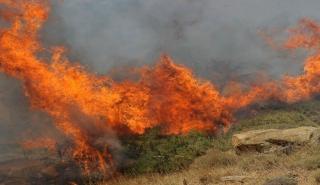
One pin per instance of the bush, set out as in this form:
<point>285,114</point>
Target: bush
<point>153,152</point>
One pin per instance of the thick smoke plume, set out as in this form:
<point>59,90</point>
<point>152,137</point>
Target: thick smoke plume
<point>203,34</point>
<point>86,107</point>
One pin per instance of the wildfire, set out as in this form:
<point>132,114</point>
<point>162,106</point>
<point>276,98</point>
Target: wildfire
<point>86,106</point>
<point>47,143</point>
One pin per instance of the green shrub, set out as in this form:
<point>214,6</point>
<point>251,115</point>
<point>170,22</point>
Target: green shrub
<point>155,153</point>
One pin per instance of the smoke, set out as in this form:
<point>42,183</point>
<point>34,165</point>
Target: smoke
<point>202,34</point>
<point>17,121</point>
<point>216,38</point>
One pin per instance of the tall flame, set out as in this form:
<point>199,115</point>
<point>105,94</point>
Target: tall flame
<point>86,106</point>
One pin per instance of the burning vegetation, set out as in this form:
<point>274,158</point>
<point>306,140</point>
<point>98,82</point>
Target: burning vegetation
<point>86,107</point>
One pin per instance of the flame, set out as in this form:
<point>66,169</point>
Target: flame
<point>47,143</point>
<point>85,106</point>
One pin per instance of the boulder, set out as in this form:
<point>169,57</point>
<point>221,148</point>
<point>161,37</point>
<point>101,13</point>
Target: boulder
<point>270,140</point>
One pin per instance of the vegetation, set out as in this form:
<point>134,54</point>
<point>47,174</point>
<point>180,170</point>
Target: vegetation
<point>198,158</point>
<point>155,153</point>
<point>283,180</point>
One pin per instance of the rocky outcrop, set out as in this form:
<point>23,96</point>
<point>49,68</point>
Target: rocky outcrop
<point>271,140</point>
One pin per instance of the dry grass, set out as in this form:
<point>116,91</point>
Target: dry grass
<point>209,169</point>
<point>316,176</point>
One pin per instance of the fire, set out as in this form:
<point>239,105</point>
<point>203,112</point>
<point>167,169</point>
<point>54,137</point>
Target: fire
<point>85,106</point>
<point>47,143</point>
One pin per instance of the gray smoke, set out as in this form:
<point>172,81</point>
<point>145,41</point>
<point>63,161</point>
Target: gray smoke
<point>202,34</point>
<point>18,121</point>
<point>217,38</point>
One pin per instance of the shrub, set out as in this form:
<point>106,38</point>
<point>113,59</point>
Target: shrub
<point>153,152</point>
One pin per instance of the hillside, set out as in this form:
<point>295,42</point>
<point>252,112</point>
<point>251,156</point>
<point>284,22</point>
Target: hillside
<point>220,159</point>
<point>191,159</point>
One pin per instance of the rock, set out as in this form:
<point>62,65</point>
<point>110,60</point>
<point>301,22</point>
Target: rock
<point>284,180</point>
<point>271,140</point>
<point>234,178</point>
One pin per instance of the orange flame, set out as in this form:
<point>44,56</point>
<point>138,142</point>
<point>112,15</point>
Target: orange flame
<point>166,95</point>
<point>47,143</point>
